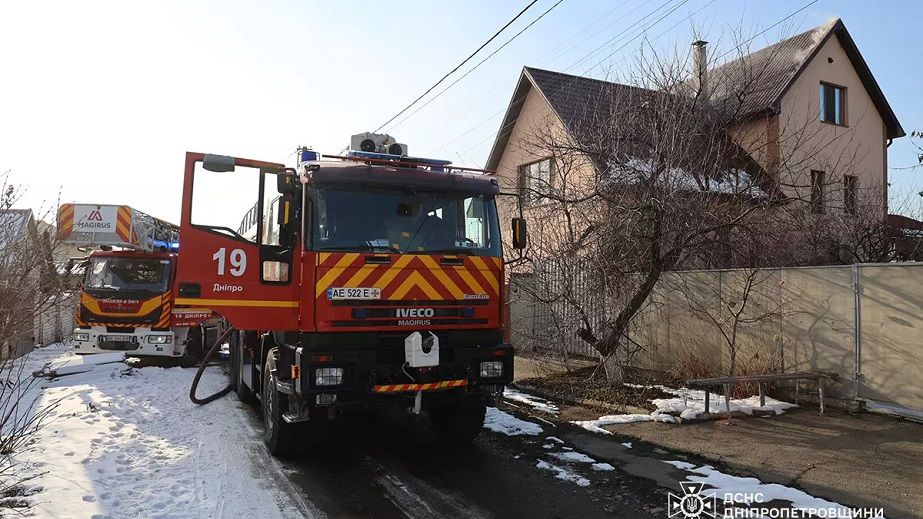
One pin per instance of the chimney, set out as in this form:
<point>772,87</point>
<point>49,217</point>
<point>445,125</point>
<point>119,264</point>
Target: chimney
<point>700,68</point>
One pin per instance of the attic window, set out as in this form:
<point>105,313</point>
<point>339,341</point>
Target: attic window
<point>832,104</point>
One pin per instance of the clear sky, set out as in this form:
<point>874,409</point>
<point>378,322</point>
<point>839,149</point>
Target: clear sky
<point>100,99</point>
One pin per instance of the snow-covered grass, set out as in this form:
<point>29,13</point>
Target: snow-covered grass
<point>687,404</point>
<point>127,442</point>
<point>505,423</point>
<point>726,486</point>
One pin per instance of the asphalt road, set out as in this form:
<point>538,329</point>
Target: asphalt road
<point>391,467</point>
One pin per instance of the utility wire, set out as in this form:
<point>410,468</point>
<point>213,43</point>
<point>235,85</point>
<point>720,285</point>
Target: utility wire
<point>783,20</point>
<point>430,89</point>
<point>472,69</point>
<point>611,42</point>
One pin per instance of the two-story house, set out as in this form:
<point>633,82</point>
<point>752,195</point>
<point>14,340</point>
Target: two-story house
<point>813,118</point>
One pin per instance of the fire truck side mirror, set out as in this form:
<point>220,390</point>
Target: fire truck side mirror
<point>218,163</point>
<point>285,182</point>
<point>519,233</point>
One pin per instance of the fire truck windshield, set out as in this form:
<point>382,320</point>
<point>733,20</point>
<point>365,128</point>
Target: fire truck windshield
<point>376,219</point>
<point>127,276</point>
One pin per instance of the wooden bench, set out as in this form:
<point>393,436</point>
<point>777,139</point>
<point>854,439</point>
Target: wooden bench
<point>727,382</point>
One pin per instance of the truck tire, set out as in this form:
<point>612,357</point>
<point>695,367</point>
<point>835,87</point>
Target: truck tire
<point>459,423</point>
<point>193,352</point>
<point>278,435</point>
<point>244,392</point>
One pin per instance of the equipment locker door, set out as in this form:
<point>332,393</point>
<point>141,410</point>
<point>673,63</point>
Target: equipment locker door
<point>239,249</point>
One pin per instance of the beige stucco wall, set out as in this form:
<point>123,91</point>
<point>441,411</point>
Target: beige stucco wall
<point>857,149</point>
<point>549,225</point>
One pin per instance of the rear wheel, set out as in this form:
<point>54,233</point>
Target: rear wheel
<point>278,435</point>
<point>459,423</point>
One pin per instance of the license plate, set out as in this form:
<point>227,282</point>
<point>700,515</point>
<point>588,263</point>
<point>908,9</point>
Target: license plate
<point>361,293</point>
<point>116,338</point>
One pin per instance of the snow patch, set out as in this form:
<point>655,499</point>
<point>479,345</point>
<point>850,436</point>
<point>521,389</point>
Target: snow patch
<point>688,404</point>
<point>574,457</point>
<point>602,467</point>
<point>627,445</point>
<point>505,423</point>
<point>539,404</point>
<point>563,473</point>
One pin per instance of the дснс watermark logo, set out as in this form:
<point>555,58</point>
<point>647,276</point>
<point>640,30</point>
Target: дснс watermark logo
<point>692,504</point>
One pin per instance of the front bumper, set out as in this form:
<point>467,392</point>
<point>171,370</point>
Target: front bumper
<point>98,340</point>
<point>374,370</point>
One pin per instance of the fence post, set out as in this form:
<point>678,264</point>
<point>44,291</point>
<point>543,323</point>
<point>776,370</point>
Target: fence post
<point>857,326</point>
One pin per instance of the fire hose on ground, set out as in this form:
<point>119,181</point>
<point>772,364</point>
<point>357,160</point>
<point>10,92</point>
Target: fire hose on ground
<point>205,360</point>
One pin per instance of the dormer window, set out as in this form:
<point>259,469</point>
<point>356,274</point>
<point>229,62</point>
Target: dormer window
<point>832,104</point>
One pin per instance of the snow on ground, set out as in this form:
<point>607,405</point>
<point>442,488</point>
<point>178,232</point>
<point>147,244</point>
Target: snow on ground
<point>725,485</point>
<point>505,423</point>
<point>563,473</point>
<point>539,404</point>
<point>688,404</point>
<point>127,442</point>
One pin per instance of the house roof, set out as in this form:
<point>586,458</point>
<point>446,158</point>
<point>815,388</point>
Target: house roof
<point>772,71</point>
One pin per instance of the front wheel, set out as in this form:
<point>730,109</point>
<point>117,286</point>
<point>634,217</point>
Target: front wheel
<point>459,423</point>
<point>279,436</point>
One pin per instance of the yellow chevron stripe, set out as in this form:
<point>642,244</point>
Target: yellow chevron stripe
<point>360,275</point>
<point>330,276</point>
<point>393,271</point>
<point>469,280</point>
<point>415,279</point>
<point>262,303</point>
<point>322,257</point>
<point>442,277</point>
<point>485,272</point>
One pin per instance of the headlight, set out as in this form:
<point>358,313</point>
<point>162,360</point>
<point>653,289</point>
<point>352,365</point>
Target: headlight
<point>328,376</point>
<point>159,339</point>
<point>81,337</point>
<point>491,369</point>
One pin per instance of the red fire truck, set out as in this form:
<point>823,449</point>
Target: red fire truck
<point>356,281</point>
<point>125,301</point>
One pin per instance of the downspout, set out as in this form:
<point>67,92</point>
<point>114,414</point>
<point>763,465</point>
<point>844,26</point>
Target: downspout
<point>857,327</point>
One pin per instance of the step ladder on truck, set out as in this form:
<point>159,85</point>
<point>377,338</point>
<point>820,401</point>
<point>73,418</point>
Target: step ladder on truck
<point>371,279</point>
<point>125,302</point>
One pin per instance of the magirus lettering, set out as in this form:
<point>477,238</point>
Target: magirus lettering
<point>415,312</point>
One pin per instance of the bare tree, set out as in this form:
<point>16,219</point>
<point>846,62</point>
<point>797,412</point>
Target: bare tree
<point>30,283</point>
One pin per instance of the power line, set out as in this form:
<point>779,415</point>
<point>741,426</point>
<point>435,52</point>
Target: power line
<point>784,19</point>
<point>430,89</point>
<point>495,91</point>
<point>610,42</point>
<point>472,69</point>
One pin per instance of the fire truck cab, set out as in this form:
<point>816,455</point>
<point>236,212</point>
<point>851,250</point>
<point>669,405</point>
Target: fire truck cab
<point>126,300</point>
<point>364,280</point>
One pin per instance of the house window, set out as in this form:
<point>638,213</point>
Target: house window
<point>832,104</point>
<point>535,180</point>
<point>817,192</point>
<point>850,187</point>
